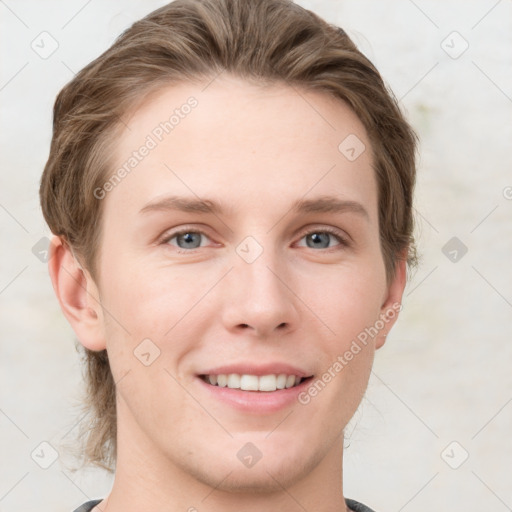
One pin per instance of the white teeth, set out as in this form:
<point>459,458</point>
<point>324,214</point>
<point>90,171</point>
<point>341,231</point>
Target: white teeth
<point>249,383</point>
<point>267,383</point>
<point>233,380</point>
<point>290,381</point>
<point>253,382</point>
<point>281,381</point>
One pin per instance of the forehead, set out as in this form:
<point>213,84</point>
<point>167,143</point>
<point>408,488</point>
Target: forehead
<point>243,140</point>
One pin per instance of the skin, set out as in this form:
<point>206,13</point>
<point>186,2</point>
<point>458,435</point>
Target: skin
<point>254,150</point>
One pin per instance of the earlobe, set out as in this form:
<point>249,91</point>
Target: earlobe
<point>77,295</point>
<point>392,304</point>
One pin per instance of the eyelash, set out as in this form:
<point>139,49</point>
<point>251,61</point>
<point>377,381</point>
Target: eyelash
<point>343,242</point>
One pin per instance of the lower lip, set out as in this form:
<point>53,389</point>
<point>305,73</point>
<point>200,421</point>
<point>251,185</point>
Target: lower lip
<point>257,402</point>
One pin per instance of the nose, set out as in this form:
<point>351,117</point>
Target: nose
<point>258,299</point>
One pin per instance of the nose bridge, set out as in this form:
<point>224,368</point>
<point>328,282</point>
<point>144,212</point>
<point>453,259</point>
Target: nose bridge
<point>262,277</point>
<point>257,295</point>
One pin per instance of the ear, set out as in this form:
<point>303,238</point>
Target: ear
<point>77,295</point>
<point>392,304</point>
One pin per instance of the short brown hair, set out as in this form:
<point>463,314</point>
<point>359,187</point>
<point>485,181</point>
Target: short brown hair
<point>262,41</point>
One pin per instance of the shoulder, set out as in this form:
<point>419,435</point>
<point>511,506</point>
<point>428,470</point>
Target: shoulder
<point>355,506</point>
<point>87,507</point>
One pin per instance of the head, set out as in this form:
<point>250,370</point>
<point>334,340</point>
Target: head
<point>292,170</point>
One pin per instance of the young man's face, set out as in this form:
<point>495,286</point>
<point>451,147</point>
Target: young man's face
<point>280,278</point>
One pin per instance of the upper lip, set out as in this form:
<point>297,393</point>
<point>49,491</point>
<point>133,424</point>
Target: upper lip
<point>259,370</point>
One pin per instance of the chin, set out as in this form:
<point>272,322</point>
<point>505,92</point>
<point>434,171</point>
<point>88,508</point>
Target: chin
<point>274,465</point>
<point>260,479</point>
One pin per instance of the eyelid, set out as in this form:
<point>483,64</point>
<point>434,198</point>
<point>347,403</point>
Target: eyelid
<point>170,234</point>
<point>343,238</point>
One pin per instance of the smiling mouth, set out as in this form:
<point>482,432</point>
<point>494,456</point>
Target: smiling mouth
<point>265,383</point>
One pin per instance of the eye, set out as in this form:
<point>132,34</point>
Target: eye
<point>322,239</point>
<point>186,239</point>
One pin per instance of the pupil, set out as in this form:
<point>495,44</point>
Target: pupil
<point>319,239</point>
<point>190,239</point>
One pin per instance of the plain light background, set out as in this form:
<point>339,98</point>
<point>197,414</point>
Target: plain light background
<point>433,431</point>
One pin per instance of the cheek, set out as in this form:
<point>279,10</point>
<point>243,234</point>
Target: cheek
<point>152,323</point>
<point>348,301</point>
<point>168,305</point>
<point>349,306</point>
<point>150,300</point>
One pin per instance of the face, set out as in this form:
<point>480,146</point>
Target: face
<point>245,243</point>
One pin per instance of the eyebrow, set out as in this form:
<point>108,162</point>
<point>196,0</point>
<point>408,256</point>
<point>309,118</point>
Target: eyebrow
<point>323,204</point>
<point>183,204</point>
<point>329,204</point>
